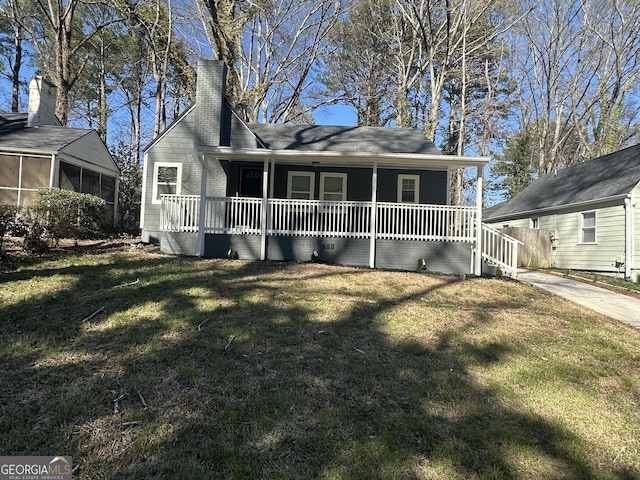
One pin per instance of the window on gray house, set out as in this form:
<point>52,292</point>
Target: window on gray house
<point>167,178</point>
<point>333,186</point>
<point>300,185</point>
<point>408,188</point>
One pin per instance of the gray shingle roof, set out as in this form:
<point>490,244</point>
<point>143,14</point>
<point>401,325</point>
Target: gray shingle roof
<point>608,176</point>
<point>15,135</point>
<point>315,138</point>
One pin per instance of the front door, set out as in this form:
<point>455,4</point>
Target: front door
<point>251,182</point>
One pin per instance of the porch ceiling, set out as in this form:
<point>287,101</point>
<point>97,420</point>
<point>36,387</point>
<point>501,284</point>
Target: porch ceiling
<point>414,160</point>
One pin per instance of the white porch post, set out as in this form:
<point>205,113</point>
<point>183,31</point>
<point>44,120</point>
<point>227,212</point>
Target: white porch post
<point>265,206</point>
<point>479,187</point>
<point>203,205</point>
<point>272,180</point>
<point>374,216</point>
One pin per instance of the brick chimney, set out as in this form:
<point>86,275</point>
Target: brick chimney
<point>210,92</point>
<point>42,103</point>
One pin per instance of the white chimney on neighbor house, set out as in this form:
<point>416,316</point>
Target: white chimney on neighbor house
<point>42,103</point>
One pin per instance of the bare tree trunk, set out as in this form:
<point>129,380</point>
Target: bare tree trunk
<point>160,37</point>
<point>58,20</point>
<point>102,96</point>
<point>15,69</point>
<point>267,77</point>
<point>227,19</point>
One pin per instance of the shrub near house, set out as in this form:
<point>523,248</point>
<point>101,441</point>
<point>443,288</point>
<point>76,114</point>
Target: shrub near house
<point>54,214</point>
<point>67,214</point>
<point>7,221</point>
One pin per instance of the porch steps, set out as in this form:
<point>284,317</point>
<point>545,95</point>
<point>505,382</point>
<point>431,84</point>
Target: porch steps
<point>499,251</point>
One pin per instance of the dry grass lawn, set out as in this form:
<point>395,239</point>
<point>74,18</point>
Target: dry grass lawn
<point>292,370</point>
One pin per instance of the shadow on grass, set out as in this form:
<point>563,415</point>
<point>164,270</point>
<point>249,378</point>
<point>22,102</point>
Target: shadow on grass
<point>311,384</point>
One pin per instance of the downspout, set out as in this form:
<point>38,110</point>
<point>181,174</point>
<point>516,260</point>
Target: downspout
<point>374,216</point>
<point>265,207</point>
<point>203,205</point>
<point>478,258</point>
<point>628,236</point>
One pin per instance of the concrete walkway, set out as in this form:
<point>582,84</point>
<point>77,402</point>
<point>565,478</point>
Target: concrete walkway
<point>615,305</point>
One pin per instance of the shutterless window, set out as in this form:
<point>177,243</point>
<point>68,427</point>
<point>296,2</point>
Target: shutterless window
<point>534,222</point>
<point>408,188</point>
<point>300,185</point>
<point>166,179</point>
<point>588,227</point>
<point>333,186</point>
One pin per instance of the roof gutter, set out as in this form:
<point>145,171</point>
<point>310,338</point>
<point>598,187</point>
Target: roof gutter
<point>511,216</point>
<point>30,151</point>
<point>333,157</point>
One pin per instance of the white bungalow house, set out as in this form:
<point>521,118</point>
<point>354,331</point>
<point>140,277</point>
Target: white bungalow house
<point>364,196</point>
<point>36,152</point>
<point>590,210</point>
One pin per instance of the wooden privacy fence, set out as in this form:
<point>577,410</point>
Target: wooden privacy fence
<point>536,248</point>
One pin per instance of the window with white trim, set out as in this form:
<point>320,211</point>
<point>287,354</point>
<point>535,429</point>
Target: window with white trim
<point>408,188</point>
<point>534,222</point>
<point>333,186</point>
<point>300,185</point>
<point>588,223</point>
<point>167,179</point>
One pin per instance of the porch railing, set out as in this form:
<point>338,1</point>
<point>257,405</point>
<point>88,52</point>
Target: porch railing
<point>239,215</point>
<point>500,250</point>
<point>400,221</point>
<point>235,215</point>
<point>319,218</point>
<point>426,222</point>
<point>179,213</point>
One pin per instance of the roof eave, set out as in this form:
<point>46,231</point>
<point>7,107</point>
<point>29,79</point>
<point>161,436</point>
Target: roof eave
<point>538,211</point>
<point>30,151</point>
<point>169,128</point>
<point>334,157</point>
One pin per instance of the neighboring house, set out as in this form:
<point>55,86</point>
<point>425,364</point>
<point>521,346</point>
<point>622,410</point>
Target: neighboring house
<point>590,210</point>
<point>376,197</point>
<point>36,152</point>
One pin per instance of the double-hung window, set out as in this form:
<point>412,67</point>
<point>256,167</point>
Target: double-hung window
<point>300,185</point>
<point>588,223</point>
<point>408,188</point>
<point>333,186</point>
<point>167,178</point>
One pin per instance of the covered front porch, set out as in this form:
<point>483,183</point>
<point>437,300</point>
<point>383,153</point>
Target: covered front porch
<point>376,234</point>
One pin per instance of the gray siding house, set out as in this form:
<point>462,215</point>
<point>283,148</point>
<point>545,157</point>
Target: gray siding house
<point>377,197</point>
<point>36,152</point>
<point>590,210</point>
